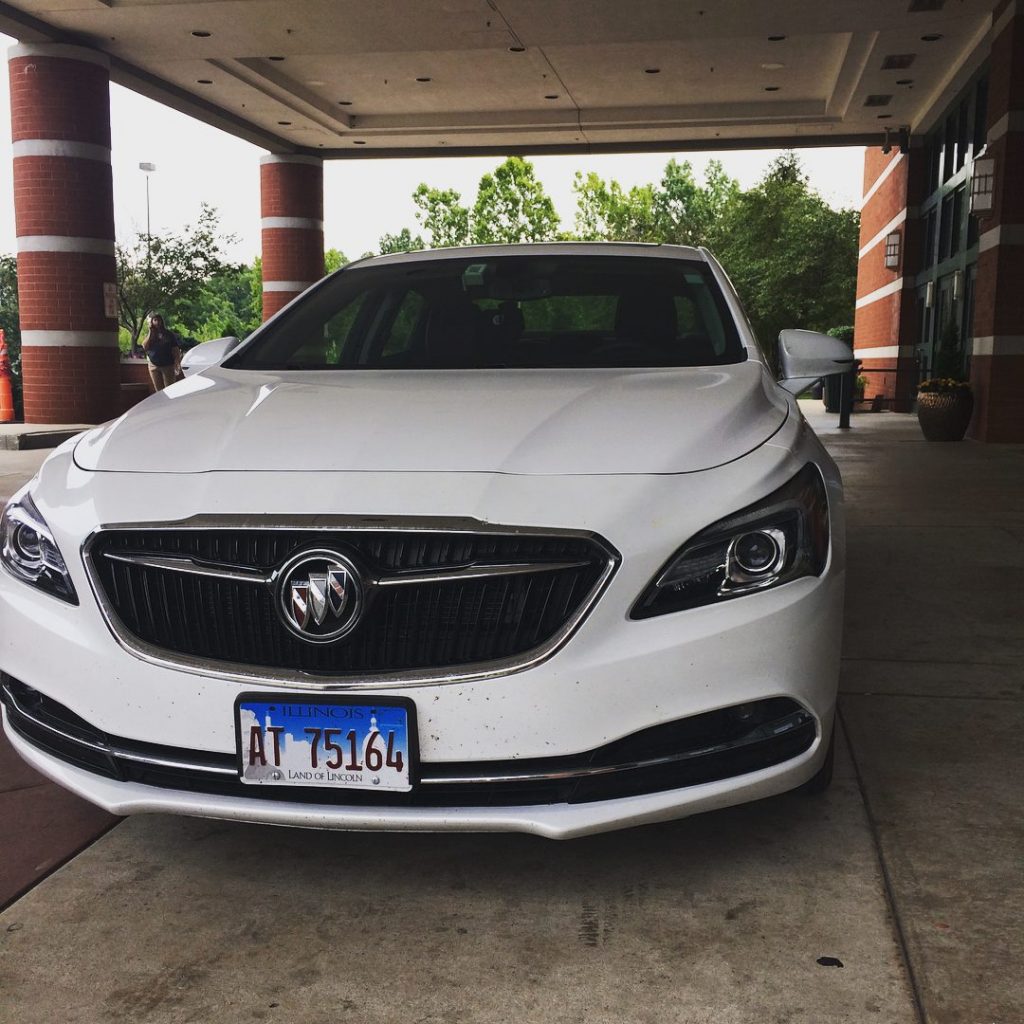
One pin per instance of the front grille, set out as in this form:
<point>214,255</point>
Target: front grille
<point>463,621</point>
<point>704,748</point>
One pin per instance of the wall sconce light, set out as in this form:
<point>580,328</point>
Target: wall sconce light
<point>892,250</point>
<point>957,285</point>
<point>929,295</point>
<point>983,186</point>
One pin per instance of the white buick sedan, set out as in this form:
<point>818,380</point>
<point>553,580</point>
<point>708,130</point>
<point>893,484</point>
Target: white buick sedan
<point>501,538</point>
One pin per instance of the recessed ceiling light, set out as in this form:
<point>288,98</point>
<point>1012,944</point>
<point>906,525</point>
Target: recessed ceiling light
<point>517,49</point>
<point>898,61</point>
<point>771,88</point>
<point>344,103</point>
<point>275,58</point>
<point>932,37</point>
<point>904,81</point>
<point>775,39</point>
<point>423,79</point>
<point>878,100</point>
<point>652,71</point>
<point>358,142</point>
<point>551,96</point>
<point>884,117</point>
<point>201,35</point>
<point>285,123</point>
<point>315,81</point>
<point>772,67</point>
<point>204,81</point>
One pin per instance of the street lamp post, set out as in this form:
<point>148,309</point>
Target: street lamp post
<point>148,168</point>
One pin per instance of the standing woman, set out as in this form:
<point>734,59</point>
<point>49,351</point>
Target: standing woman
<point>163,350</point>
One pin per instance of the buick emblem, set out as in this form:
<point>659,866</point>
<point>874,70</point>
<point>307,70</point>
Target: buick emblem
<point>319,595</point>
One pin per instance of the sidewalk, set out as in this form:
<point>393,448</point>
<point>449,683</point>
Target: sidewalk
<point>894,898</point>
<point>42,824</point>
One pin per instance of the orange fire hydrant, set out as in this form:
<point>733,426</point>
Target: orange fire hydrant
<point>6,390</point>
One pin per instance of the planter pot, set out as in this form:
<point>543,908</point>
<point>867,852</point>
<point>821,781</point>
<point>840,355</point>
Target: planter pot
<point>944,417</point>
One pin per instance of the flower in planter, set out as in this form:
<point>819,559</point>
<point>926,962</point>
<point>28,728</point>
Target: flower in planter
<point>943,386</point>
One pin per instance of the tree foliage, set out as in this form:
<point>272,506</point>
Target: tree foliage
<point>404,241</point>
<point>511,206</point>
<point>442,215</point>
<point>9,320</point>
<point>792,258</point>
<point>157,272</point>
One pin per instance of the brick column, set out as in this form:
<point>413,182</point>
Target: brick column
<point>885,322</point>
<point>997,360</point>
<point>64,215</point>
<point>292,212</point>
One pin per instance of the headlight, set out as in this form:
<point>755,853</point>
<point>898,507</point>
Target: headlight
<point>779,539</point>
<point>29,551</point>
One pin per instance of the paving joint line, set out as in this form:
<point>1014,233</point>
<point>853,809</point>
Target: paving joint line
<point>887,882</point>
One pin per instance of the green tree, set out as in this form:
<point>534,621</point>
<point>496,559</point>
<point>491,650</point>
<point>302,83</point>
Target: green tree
<point>443,216</point>
<point>404,241</point>
<point>690,213</point>
<point>9,321</point>
<point>157,272</point>
<point>792,258</point>
<point>334,259</point>
<point>511,206</point>
<point>228,304</point>
<point>606,212</point>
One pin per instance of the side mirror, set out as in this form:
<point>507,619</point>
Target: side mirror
<point>807,356</point>
<point>208,354</point>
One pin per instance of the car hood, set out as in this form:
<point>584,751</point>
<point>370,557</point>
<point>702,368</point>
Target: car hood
<point>532,422</point>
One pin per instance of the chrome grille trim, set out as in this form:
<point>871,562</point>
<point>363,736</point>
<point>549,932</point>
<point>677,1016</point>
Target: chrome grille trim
<point>251,675</point>
<point>238,573</point>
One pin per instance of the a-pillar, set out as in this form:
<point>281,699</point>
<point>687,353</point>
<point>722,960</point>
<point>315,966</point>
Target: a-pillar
<point>292,222</point>
<point>997,359</point>
<point>64,216</point>
<point>886,321</point>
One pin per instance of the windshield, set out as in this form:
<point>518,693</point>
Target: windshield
<point>543,311</point>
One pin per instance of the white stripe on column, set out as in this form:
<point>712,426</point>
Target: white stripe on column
<point>65,243</point>
<point>286,286</point>
<point>292,222</point>
<point>884,352</point>
<point>61,147</point>
<point>69,339</point>
<point>1012,121</point>
<point>880,293</point>
<point>291,158</point>
<point>999,345</point>
<point>894,223</point>
<point>1005,234</point>
<point>880,180</point>
<point>63,50</point>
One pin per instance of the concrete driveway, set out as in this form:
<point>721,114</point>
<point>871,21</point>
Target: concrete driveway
<point>896,897</point>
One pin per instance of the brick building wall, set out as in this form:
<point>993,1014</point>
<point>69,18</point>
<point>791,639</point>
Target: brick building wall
<point>64,217</point>
<point>292,227</point>
<point>997,361</point>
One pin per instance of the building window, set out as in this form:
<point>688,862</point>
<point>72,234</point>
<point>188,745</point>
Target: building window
<point>961,135</point>
<point>929,239</point>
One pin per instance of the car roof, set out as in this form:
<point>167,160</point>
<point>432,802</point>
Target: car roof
<point>679,252</point>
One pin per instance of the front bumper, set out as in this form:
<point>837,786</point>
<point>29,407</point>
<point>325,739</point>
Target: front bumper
<point>615,678</point>
<point>561,820</point>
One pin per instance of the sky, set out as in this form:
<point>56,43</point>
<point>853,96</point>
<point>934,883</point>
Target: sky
<point>363,199</point>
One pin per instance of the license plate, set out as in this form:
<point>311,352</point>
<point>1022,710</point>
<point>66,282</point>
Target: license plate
<point>333,742</point>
